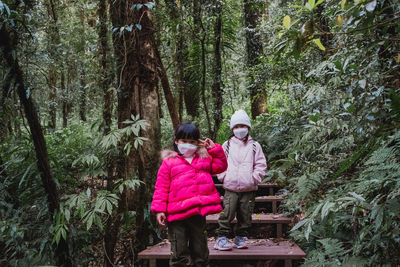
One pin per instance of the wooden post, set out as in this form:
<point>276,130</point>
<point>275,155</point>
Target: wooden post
<point>153,262</point>
<point>271,191</point>
<point>288,263</point>
<point>278,230</point>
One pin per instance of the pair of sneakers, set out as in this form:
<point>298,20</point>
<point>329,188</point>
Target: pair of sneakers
<point>222,243</point>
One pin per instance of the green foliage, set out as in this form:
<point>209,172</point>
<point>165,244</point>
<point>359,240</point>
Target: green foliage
<point>333,140</point>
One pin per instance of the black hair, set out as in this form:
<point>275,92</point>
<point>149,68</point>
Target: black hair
<point>186,131</point>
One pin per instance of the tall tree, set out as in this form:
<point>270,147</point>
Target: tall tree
<point>138,86</point>
<point>104,52</point>
<point>82,79</point>
<point>167,90</point>
<point>8,44</point>
<point>64,100</point>
<point>180,52</point>
<point>253,10</point>
<point>198,17</point>
<point>54,37</point>
<point>217,83</point>
<point>193,73</point>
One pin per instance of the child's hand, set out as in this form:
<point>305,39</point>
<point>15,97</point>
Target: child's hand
<point>207,144</point>
<point>161,218</point>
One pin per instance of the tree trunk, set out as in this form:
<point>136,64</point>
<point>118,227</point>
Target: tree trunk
<point>167,90</point>
<point>7,44</point>
<point>203,80</point>
<point>193,72</point>
<point>54,36</point>
<point>64,100</point>
<point>253,10</point>
<point>83,96</point>
<point>199,28</point>
<point>5,103</point>
<point>180,52</point>
<point>53,95</point>
<point>105,72</point>
<point>138,86</point>
<point>169,97</point>
<point>216,88</point>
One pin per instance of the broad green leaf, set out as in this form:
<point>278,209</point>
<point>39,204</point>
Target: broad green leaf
<point>286,22</point>
<point>343,4</point>
<point>357,196</point>
<point>311,4</point>
<point>326,209</point>
<point>319,44</point>
<point>319,2</point>
<point>67,214</point>
<point>362,83</point>
<point>314,117</point>
<point>150,5</point>
<point>300,224</point>
<point>370,6</point>
<point>64,234</point>
<point>339,21</point>
<point>25,174</point>
<point>379,219</point>
<point>90,221</point>
<point>57,237</point>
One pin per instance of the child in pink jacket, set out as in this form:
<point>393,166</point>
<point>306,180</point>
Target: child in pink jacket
<point>185,193</point>
<point>246,169</point>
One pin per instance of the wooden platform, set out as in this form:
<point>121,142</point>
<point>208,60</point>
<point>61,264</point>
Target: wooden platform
<point>267,199</point>
<point>269,186</point>
<point>264,185</point>
<point>257,218</point>
<point>258,249</point>
<point>277,219</point>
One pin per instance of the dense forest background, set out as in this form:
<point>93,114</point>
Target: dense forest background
<point>92,90</point>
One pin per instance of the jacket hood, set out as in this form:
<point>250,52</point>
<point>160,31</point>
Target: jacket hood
<point>168,153</point>
<point>239,117</point>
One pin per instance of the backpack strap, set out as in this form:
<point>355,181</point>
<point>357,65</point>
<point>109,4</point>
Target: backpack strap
<point>254,152</point>
<point>227,148</point>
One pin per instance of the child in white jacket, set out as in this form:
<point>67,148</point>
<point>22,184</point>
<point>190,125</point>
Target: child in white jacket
<point>246,169</point>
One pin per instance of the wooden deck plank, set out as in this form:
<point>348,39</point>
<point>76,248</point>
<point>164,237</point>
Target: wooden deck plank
<point>259,249</point>
<point>264,185</point>
<point>264,199</point>
<point>256,218</point>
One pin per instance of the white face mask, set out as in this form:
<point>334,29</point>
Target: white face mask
<point>187,150</point>
<point>240,132</point>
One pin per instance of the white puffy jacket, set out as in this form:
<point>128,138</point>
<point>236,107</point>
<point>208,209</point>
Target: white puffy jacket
<point>246,165</point>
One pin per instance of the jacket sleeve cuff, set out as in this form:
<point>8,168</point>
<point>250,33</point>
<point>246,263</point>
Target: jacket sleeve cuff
<point>215,151</point>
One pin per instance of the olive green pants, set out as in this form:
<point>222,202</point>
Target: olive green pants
<point>188,242</point>
<point>241,205</point>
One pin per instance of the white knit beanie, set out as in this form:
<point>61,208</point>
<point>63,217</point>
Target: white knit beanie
<point>239,117</point>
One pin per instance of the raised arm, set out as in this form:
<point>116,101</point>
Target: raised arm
<point>219,162</point>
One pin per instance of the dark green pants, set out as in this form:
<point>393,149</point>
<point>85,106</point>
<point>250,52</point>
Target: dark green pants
<point>241,205</point>
<point>188,242</point>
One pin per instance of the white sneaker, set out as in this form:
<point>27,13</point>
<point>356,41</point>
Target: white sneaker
<point>222,243</point>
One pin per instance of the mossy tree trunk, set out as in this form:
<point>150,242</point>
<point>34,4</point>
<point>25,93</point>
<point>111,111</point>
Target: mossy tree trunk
<point>138,95</point>
<point>253,11</point>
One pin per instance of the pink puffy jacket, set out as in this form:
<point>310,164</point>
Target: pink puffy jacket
<point>186,189</point>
